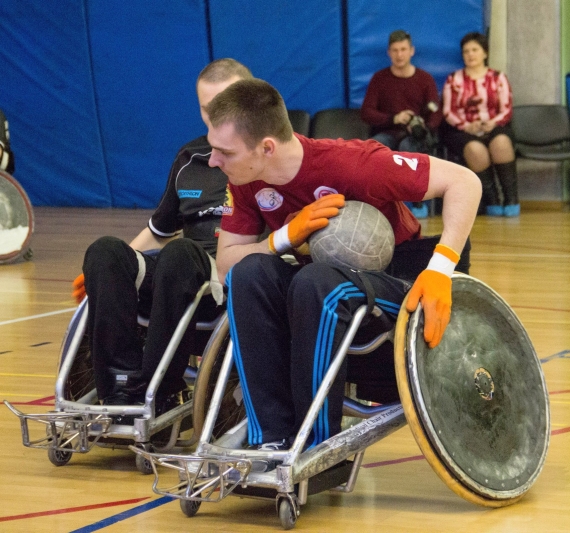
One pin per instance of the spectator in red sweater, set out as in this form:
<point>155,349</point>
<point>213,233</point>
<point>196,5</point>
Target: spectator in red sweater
<point>402,104</point>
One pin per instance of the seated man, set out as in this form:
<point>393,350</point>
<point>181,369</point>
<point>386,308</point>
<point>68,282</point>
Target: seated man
<point>402,104</point>
<point>6,155</point>
<point>287,321</point>
<point>121,282</point>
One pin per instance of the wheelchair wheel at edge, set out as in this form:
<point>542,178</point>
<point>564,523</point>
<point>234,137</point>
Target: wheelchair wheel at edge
<point>232,410</point>
<point>476,404</point>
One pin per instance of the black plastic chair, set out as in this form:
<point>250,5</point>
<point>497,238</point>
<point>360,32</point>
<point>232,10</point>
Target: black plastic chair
<point>339,123</point>
<point>300,120</point>
<point>542,132</point>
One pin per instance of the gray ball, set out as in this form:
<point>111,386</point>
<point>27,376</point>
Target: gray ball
<point>359,237</point>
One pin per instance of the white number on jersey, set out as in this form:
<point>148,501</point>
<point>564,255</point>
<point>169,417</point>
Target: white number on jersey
<point>412,163</point>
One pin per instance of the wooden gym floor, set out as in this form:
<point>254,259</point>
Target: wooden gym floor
<point>527,260</point>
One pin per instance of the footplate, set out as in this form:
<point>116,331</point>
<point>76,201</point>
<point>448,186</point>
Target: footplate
<point>204,479</point>
<point>66,432</point>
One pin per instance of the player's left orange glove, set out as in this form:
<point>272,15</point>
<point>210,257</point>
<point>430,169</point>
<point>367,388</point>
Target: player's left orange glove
<point>78,292</point>
<point>433,288</point>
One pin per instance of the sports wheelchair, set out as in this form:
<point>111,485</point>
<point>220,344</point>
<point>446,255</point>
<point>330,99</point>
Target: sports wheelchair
<point>476,404</point>
<point>79,422</point>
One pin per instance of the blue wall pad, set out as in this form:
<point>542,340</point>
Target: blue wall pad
<point>436,29</point>
<point>101,94</point>
<point>47,96</point>
<point>146,57</point>
<point>296,46</point>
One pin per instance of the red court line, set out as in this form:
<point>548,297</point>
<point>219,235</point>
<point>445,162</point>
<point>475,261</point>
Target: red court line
<point>560,431</point>
<point>72,509</point>
<point>394,461</point>
<point>39,401</point>
<point>559,391</point>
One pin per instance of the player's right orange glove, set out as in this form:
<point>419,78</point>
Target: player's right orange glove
<point>79,288</point>
<point>311,218</point>
<point>433,288</point>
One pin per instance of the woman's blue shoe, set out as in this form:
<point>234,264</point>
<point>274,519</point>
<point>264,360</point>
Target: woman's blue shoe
<point>495,210</point>
<point>513,210</point>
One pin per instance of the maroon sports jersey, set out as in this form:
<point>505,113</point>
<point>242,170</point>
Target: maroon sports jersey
<point>360,170</point>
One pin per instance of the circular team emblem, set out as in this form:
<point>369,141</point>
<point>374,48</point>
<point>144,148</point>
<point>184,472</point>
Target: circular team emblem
<point>268,199</point>
<point>323,191</point>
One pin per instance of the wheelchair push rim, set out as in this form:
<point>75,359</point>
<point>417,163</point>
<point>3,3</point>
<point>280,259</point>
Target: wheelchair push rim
<point>476,404</point>
<point>16,220</point>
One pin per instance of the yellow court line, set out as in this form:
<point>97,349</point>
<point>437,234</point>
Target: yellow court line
<point>51,376</point>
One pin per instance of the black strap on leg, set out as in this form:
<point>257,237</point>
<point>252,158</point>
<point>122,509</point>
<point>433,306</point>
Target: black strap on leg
<point>358,278</point>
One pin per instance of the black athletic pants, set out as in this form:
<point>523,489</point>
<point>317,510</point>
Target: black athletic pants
<point>171,281</point>
<point>287,323</point>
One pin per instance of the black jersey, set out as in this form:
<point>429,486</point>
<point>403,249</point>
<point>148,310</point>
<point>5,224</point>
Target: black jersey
<point>193,199</point>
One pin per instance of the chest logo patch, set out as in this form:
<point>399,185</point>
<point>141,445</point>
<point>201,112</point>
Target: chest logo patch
<point>323,191</point>
<point>269,199</point>
<point>187,193</point>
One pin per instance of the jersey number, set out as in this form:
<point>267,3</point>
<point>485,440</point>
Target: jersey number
<point>412,163</point>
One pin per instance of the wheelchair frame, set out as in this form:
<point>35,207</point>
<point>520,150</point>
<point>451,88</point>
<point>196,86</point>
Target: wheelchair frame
<point>220,468</point>
<point>75,426</point>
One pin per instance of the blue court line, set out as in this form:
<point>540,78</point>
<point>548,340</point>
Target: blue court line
<point>564,354</point>
<point>124,515</point>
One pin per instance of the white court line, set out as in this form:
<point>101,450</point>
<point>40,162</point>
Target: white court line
<point>561,255</point>
<point>37,316</point>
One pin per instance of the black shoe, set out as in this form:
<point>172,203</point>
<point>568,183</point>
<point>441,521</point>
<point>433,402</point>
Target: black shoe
<point>164,405</point>
<point>266,465</point>
<point>122,398</point>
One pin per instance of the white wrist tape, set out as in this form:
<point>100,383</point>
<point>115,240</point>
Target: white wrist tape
<point>281,240</point>
<point>442,264</point>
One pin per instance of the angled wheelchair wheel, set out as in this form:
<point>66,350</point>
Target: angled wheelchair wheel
<point>80,379</point>
<point>16,221</point>
<point>476,404</point>
<point>232,410</point>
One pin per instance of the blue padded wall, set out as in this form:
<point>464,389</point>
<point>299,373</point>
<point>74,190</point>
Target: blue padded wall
<point>436,29</point>
<point>296,46</point>
<point>146,57</point>
<point>47,96</point>
<point>101,94</point>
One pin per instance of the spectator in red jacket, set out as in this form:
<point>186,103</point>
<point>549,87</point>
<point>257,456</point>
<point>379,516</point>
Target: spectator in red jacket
<point>478,106</point>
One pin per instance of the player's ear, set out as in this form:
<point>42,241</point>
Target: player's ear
<point>268,145</point>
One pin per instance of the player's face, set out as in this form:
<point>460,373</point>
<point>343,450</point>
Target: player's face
<point>401,53</point>
<point>207,91</point>
<point>473,54</point>
<point>230,153</point>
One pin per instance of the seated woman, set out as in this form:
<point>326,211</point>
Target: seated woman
<point>477,107</point>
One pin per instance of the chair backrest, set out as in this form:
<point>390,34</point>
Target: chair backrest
<point>335,123</point>
<point>540,125</point>
<point>300,120</point>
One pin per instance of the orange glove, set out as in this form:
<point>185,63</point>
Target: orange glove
<point>79,288</point>
<point>311,218</point>
<point>433,288</point>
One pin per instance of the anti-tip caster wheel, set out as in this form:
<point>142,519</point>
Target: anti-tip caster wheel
<point>190,507</point>
<point>288,513</point>
<point>59,457</point>
<point>144,465</point>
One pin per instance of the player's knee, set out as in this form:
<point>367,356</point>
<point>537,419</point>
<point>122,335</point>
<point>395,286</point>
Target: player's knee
<point>314,278</point>
<point>253,267</point>
<point>180,259</point>
<point>103,252</point>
